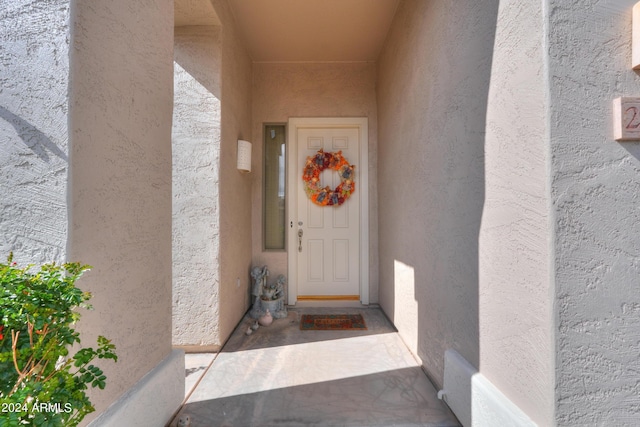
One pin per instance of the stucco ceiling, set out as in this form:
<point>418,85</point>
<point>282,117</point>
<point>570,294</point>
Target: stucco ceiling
<point>314,30</point>
<point>301,30</point>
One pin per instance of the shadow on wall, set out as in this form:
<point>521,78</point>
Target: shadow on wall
<point>449,283</point>
<point>196,131</point>
<point>197,51</point>
<point>632,148</point>
<point>432,141</point>
<point>32,137</point>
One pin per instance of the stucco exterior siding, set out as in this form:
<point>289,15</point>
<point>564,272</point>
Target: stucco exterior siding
<point>196,164</point>
<point>594,184</point>
<point>120,107</point>
<point>235,187</point>
<point>34,51</point>
<point>515,287</point>
<point>212,199</point>
<point>433,76</point>
<point>557,244</point>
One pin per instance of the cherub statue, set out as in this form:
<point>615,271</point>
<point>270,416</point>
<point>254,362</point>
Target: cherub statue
<point>281,281</point>
<point>281,310</point>
<point>259,276</point>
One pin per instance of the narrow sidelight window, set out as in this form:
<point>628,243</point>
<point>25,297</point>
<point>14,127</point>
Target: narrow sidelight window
<point>274,187</point>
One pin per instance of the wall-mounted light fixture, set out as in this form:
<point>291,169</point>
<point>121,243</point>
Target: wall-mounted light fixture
<point>244,156</point>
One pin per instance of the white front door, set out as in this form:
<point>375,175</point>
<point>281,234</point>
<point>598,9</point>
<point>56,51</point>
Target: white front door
<point>327,241</point>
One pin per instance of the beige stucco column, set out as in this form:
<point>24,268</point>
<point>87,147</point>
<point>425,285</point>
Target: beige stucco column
<point>196,211</point>
<point>120,104</point>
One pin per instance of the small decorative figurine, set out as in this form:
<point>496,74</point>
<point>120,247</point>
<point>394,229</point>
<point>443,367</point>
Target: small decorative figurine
<point>267,297</point>
<point>280,309</point>
<point>259,276</point>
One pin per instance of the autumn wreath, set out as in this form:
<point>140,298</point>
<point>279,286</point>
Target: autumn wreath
<point>311,178</point>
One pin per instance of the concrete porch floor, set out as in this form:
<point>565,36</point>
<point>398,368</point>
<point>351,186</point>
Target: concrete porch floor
<point>282,376</point>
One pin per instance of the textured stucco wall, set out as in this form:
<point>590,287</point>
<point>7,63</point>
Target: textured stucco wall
<point>516,321</point>
<point>595,186</point>
<point>235,187</point>
<point>120,103</point>
<point>34,71</point>
<point>194,12</point>
<point>196,147</point>
<point>433,81</point>
<point>281,91</point>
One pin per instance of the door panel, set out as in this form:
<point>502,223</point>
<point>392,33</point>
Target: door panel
<point>328,253</point>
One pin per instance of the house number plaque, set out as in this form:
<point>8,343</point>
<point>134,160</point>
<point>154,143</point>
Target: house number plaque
<point>626,119</point>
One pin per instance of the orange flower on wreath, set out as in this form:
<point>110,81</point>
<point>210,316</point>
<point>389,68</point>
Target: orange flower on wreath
<point>325,196</point>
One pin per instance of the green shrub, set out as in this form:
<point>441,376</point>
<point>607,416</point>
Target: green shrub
<point>40,383</point>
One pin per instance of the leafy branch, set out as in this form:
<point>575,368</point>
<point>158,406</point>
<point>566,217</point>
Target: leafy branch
<point>37,315</point>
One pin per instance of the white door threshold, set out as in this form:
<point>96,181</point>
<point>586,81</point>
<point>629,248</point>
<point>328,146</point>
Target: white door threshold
<point>329,303</point>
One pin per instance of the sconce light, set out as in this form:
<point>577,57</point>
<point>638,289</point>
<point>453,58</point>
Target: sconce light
<point>244,156</point>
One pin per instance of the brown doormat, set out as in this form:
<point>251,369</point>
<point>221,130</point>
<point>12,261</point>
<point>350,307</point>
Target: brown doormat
<point>332,322</point>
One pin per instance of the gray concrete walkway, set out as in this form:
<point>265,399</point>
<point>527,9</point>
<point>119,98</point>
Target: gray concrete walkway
<point>282,376</point>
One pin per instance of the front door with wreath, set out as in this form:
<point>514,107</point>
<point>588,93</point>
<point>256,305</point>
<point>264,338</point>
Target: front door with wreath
<point>327,217</point>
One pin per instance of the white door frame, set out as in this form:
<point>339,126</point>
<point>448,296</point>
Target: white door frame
<point>362,193</point>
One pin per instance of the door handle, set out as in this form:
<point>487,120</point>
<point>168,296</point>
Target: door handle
<point>300,233</point>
